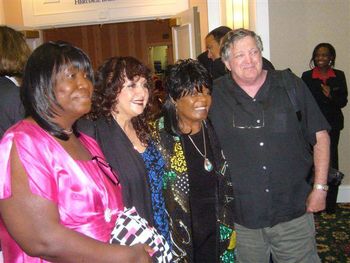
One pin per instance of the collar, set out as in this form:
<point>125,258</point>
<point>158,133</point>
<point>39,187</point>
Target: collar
<point>262,93</point>
<point>316,74</point>
<point>13,80</point>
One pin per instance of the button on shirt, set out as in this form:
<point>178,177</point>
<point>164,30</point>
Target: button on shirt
<point>266,156</point>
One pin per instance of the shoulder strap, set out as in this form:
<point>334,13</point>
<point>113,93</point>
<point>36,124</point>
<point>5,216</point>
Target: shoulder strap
<point>290,85</point>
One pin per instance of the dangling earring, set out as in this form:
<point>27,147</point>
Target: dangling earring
<point>330,63</point>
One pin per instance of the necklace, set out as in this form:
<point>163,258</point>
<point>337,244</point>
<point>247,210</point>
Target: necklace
<point>208,166</point>
<point>68,131</point>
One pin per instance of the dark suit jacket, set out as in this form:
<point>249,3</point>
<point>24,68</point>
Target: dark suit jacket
<point>11,108</point>
<point>330,107</point>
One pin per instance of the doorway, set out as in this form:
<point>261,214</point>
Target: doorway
<point>118,39</point>
<point>159,59</point>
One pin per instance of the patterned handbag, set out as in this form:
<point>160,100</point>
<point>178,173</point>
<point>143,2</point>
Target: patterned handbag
<point>131,229</point>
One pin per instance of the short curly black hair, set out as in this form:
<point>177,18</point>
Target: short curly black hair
<point>185,77</point>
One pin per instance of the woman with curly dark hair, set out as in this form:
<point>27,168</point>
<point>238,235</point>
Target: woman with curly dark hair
<point>119,121</point>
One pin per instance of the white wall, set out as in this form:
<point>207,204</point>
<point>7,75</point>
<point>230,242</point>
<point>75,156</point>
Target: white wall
<point>296,27</point>
<point>261,26</point>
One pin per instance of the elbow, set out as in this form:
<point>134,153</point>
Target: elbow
<point>40,248</point>
<point>342,105</point>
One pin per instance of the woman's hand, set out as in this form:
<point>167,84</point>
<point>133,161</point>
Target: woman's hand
<point>326,90</point>
<point>142,253</point>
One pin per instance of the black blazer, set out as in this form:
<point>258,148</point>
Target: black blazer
<point>11,108</point>
<point>330,107</point>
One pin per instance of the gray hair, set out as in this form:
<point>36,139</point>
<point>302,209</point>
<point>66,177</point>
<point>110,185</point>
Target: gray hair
<point>233,36</point>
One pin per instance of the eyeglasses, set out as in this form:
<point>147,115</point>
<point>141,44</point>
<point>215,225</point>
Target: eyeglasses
<point>107,169</point>
<point>260,123</point>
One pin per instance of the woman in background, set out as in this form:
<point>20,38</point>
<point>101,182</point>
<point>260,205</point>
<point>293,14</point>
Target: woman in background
<point>14,53</point>
<point>119,121</point>
<point>328,86</point>
<point>197,186</point>
<point>59,199</point>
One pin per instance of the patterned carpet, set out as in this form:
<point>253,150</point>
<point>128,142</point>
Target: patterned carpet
<point>333,235</point>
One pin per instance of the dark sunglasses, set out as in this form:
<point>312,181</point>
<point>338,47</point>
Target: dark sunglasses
<point>103,165</point>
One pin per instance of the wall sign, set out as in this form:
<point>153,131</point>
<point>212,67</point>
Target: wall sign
<point>61,13</point>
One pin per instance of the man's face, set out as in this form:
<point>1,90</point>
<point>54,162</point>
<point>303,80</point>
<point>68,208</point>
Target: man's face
<point>245,61</point>
<point>213,47</point>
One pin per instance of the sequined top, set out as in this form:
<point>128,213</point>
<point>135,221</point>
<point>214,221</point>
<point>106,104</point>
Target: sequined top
<point>154,163</point>
<point>176,191</point>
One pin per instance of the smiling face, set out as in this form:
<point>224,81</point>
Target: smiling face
<point>322,58</point>
<point>245,61</point>
<point>133,98</point>
<point>193,108</point>
<point>73,92</point>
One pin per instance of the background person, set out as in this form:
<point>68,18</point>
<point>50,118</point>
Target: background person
<point>210,59</point>
<point>14,53</point>
<point>196,182</point>
<point>254,119</point>
<point>119,121</point>
<point>328,86</point>
<point>60,200</point>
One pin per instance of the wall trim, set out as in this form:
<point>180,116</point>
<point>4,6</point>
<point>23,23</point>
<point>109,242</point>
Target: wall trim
<point>344,194</point>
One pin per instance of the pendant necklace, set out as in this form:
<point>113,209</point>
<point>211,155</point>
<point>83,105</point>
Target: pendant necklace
<point>208,166</point>
<point>68,131</point>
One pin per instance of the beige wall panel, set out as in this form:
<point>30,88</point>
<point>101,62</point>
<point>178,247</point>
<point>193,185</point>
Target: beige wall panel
<point>296,27</point>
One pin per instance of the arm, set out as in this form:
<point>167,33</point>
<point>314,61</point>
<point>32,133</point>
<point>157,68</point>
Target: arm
<point>34,224</point>
<point>317,198</point>
<point>339,92</point>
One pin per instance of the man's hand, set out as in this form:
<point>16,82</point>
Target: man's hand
<point>316,201</point>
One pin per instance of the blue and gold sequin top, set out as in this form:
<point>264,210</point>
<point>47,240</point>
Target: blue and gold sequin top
<point>155,163</point>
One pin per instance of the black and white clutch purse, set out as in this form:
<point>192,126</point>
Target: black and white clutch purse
<point>130,229</point>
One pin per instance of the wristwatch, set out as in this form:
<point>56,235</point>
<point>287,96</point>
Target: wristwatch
<point>323,187</point>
